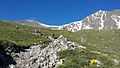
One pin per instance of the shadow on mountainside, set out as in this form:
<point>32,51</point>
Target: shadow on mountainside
<point>6,51</point>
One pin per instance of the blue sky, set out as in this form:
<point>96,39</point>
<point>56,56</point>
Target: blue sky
<point>53,12</point>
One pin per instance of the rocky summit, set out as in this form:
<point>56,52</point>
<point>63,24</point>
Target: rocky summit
<point>98,20</point>
<point>38,57</point>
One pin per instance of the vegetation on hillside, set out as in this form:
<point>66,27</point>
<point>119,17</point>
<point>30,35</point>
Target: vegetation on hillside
<point>22,37</point>
<point>105,42</point>
<point>101,45</point>
<point>80,59</point>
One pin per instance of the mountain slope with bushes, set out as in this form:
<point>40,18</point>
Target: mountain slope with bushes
<point>100,45</point>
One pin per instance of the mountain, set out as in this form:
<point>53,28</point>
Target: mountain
<point>31,23</point>
<point>98,20</point>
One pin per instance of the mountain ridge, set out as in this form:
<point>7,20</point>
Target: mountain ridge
<point>98,20</point>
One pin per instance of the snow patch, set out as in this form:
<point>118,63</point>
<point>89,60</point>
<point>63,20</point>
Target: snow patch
<point>101,19</point>
<point>117,20</point>
<point>87,27</point>
<point>77,26</point>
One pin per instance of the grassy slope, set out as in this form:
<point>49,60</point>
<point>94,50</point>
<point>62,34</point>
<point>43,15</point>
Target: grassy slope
<point>104,41</point>
<point>22,37</point>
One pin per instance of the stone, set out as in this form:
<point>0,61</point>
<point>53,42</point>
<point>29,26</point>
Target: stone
<point>45,57</point>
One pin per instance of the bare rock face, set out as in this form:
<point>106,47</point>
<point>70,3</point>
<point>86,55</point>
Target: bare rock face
<point>38,57</point>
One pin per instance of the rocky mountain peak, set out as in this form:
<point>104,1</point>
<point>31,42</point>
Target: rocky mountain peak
<point>98,20</point>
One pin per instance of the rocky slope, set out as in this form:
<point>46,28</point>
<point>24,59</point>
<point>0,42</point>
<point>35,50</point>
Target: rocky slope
<point>6,50</point>
<point>37,57</point>
<point>99,20</point>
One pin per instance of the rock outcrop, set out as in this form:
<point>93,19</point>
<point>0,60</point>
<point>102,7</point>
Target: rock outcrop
<point>8,48</point>
<point>38,57</point>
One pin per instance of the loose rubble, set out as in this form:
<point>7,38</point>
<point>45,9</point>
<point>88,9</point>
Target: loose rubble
<point>38,57</point>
